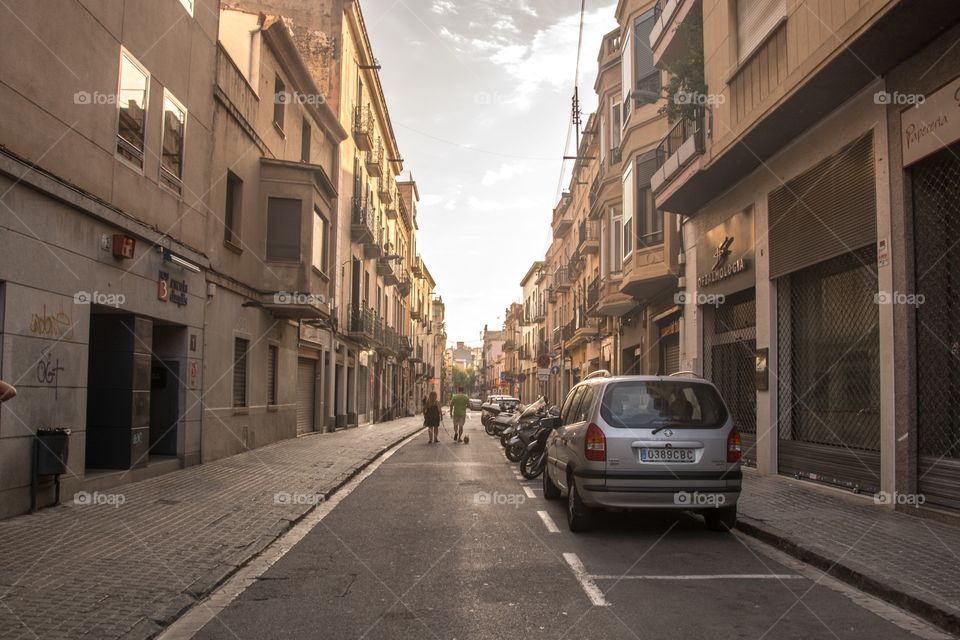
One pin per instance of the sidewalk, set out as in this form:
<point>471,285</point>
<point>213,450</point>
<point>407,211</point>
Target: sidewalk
<point>127,570</point>
<point>909,561</point>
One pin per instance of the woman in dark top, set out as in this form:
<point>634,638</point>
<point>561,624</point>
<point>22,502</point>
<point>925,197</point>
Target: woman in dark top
<point>431,417</point>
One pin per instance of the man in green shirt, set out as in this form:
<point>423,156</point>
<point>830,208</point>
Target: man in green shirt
<point>458,409</point>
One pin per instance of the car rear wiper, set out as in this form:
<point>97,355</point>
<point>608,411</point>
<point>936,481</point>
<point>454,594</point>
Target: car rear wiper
<point>666,424</point>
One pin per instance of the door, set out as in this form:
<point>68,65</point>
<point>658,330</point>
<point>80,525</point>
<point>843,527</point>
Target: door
<point>164,407</point>
<point>306,394</point>
<point>556,456</point>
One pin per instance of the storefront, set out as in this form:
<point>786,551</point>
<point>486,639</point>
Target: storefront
<point>931,161</point>
<point>726,301</point>
<point>823,262</point>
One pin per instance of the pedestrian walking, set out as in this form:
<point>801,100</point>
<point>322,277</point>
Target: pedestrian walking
<point>458,409</point>
<point>432,416</point>
<point>7,391</point>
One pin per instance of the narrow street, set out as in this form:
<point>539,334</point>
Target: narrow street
<point>413,552</point>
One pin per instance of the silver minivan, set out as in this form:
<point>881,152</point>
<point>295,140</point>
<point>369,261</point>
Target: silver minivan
<point>644,442</point>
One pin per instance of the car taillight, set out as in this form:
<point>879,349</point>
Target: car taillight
<point>595,447</point>
<point>733,446</point>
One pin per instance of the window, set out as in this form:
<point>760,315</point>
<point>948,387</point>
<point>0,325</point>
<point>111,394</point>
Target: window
<point>283,229</point>
<point>615,110</point>
<point>571,407</point>
<point>646,76</point>
<point>616,240</point>
<point>321,241</point>
<point>586,403</point>
<point>305,141</point>
<point>642,405</point>
<point>132,109</point>
<point>629,196</point>
<point>240,349</point>
<point>756,21</point>
<point>174,129</point>
<point>649,220</point>
<point>272,358</point>
<point>188,5</point>
<point>626,67</point>
<point>279,102</point>
<point>234,205</point>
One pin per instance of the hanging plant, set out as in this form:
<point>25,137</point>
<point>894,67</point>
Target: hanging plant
<point>686,89</point>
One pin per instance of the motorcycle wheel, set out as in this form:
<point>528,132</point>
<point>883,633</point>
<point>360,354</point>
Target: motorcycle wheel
<point>489,429</point>
<point>505,441</point>
<point>531,464</point>
<point>515,452</point>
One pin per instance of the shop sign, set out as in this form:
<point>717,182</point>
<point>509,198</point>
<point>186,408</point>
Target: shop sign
<point>670,328</point>
<point>171,290</point>
<point>883,252</point>
<point>725,255</point>
<point>931,125</point>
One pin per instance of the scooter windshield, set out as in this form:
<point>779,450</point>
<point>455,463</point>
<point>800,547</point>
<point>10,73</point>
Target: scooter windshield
<point>533,408</point>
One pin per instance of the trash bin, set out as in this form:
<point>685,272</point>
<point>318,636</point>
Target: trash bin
<point>53,448</point>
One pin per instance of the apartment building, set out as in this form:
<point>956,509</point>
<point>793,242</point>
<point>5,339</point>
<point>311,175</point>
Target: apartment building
<point>492,363</point>
<point>817,177</point>
<point>533,340</point>
<point>105,177</point>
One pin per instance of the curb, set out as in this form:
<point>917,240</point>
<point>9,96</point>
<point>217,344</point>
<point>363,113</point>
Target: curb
<point>151,626</point>
<point>928,611</point>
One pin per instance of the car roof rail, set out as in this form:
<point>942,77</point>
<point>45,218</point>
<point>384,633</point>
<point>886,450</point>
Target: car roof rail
<point>600,373</point>
<point>692,374</point>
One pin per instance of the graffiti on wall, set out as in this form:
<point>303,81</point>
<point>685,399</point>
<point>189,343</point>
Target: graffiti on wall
<point>49,370</point>
<point>49,324</point>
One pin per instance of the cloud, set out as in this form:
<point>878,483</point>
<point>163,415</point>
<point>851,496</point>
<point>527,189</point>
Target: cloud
<point>506,171</point>
<point>443,7</point>
<point>430,200</point>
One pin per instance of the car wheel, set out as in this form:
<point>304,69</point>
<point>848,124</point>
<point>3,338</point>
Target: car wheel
<point>579,516</point>
<point>550,490</point>
<point>722,519</point>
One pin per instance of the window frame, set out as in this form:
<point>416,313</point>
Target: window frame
<point>279,105</point>
<point>125,53</point>
<point>324,267</point>
<point>177,181</point>
<point>284,259</point>
<point>647,206</point>
<point>233,210</point>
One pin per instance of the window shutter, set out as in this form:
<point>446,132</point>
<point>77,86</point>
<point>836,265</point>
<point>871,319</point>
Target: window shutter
<point>283,229</point>
<point>240,347</point>
<point>756,19</point>
<point>826,212</point>
<point>646,167</point>
<point>643,55</point>
<point>629,207</point>
<point>271,374</point>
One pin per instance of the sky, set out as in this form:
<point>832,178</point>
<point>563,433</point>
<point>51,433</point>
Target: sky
<point>479,94</point>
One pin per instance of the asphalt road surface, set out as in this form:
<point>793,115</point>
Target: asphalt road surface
<point>444,541</point>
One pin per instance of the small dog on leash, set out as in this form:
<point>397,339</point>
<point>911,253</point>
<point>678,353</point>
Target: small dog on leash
<point>466,439</point>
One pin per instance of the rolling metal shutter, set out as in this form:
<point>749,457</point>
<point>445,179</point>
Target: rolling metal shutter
<point>826,212</point>
<point>671,355</point>
<point>306,386</point>
<point>936,212</point>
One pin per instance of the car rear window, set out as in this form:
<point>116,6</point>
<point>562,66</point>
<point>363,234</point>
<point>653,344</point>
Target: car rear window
<point>651,403</point>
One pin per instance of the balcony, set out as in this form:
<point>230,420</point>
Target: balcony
<point>385,268</point>
<point>561,282</point>
<point>575,266</point>
<point>417,267</point>
<point>610,301</point>
<point>361,222</point>
<point>562,216</point>
<point>404,283</point>
<point>509,346</point>
<point>361,324</point>
<point>374,160</point>
<point>416,313</point>
<point>589,238</point>
<point>595,188</point>
<point>406,347</point>
<point>373,248</point>
<point>682,146</point>
<point>593,296</point>
<point>363,127</point>
<point>386,191</point>
<point>539,313</point>
<point>665,44</point>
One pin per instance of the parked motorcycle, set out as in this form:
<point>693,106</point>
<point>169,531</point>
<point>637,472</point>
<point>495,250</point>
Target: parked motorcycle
<point>515,438</point>
<point>534,458</point>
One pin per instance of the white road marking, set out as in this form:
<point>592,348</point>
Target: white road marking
<point>586,582</point>
<point>188,625</point>
<point>718,576</point>
<point>529,492</point>
<point>548,521</point>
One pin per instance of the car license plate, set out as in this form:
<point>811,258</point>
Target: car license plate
<point>667,454</point>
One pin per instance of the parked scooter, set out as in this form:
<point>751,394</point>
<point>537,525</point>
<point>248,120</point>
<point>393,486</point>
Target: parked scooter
<point>534,458</point>
<point>516,438</point>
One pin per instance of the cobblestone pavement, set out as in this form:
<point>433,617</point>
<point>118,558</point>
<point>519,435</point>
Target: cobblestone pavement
<point>911,561</point>
<point>127,570</point>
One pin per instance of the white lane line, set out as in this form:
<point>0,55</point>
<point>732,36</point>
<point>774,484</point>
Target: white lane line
<point>529,492</point>
<point>548,521</point>
<point>586,582</point>
<point>718,576</point>
<point>195,619</point>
